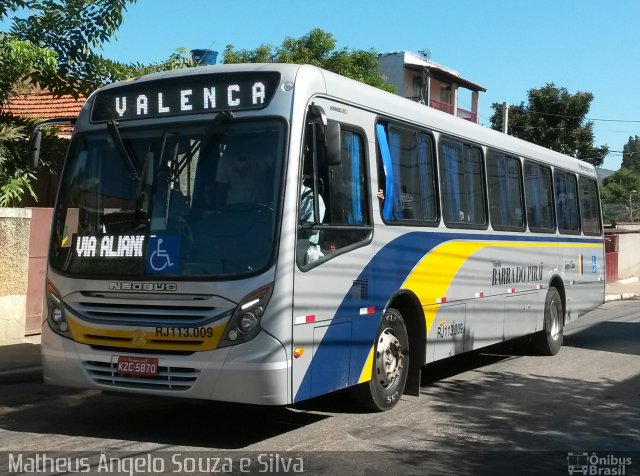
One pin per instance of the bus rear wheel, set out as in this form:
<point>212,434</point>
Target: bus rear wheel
<point>390,364</point>
<point>549,340</point>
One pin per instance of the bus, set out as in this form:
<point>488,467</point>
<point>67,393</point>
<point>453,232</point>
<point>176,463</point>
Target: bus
<point>268,233</point>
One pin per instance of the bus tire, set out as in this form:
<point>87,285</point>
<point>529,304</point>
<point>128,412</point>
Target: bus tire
<point>390,364</point>
<point>549,340</point>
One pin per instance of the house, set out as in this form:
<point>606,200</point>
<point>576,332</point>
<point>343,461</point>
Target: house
<point>417,78</point>
<point>39,105</point>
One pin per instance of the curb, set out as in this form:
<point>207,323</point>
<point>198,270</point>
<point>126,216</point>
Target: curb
<point>619,297</point>
<point>25,374</point>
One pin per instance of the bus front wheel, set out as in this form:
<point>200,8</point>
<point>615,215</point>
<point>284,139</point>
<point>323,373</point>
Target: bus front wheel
<point>549,340</point>
<point>390,364</point>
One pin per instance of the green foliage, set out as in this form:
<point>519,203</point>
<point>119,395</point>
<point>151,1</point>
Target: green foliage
<point>15,181</point>
<point>18,59</point>
<point>620,194</point>
<point>50,43</point>
<point>631,152</point>
<point>14,186</point>
<point>316,48</point>
<point>8,6</point>
<point>617,187</point>
<point>555,119</point>
<point>72,29</point>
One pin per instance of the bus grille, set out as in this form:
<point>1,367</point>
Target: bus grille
<point>137,309</point>
<point>142,313</point>
<point>176,379</point>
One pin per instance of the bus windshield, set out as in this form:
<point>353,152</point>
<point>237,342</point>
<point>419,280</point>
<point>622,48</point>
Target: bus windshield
<point>189,201</point>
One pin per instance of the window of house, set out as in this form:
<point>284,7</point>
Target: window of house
<point>445,94</point>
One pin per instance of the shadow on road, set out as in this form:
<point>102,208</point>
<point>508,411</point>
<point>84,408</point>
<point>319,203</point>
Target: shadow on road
<point>500,409</point>
<point>612,336</point>
<point>36,408</point>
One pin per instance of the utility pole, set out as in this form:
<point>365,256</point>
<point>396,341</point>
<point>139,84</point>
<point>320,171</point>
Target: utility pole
<point>631,205</point>
<point>505,118</point>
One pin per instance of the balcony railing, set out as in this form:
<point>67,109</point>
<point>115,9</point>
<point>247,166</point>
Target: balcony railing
<point>448,108</point>
<point>441,106</point>
<point>468,115</point>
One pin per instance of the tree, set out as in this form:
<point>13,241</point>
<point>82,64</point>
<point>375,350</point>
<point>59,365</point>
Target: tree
<point>73,30</point>
<point>18,59</point>
<point>50,43</point>
<point>631,153</point>
<point>316,48</point>
<point>15,181</point>
<point>555,119</point>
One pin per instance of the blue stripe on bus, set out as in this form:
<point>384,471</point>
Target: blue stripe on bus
<point>385,273</point>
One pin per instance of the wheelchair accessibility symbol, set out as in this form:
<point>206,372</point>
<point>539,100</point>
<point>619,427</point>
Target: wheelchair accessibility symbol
<point>162,254</point>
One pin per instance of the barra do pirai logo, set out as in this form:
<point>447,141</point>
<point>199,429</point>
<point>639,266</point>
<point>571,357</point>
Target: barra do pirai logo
<point>597,465</point>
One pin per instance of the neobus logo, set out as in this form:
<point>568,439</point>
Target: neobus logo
<point>135,286</point>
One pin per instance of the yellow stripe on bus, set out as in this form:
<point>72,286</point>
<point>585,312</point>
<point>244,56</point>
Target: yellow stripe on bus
<point>144,337</point>
<point>365,375</point>
<point>431,277</point>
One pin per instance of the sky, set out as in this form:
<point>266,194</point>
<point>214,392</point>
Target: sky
<point>507,46</point>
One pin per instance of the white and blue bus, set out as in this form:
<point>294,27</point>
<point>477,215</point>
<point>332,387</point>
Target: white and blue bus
<point>270,233</point>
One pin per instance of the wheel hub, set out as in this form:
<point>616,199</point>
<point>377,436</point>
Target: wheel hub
<point>389,358</point>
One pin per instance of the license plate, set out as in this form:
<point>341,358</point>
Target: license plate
<point>146,366</point>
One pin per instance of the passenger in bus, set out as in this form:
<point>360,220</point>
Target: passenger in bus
<point>313,252</point>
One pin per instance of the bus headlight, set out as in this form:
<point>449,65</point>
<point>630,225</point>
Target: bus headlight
<point>56,315</point>
<point>244,325</point>
<point>247,322</point>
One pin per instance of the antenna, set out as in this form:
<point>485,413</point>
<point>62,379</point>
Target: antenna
<point>425,53</point>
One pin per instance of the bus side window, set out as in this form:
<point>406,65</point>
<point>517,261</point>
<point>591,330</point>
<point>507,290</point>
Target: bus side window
<point>539,198</point>
<point>463,193</point>
<point>589,207</point>
<point>566,189</point>
<point>347,192</point>
<point>504,178</point>
<point>342,195</point>
<point>406,175</point>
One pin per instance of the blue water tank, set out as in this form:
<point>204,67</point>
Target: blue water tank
<point>204,57</point>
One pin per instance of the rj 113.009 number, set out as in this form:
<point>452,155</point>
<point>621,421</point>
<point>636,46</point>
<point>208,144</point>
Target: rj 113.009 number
<point>184,332</point>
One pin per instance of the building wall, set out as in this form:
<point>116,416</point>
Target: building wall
<point>14,271</point>
<point>628,255</point>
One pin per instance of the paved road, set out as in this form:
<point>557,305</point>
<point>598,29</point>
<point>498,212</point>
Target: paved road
<point>587,398</point>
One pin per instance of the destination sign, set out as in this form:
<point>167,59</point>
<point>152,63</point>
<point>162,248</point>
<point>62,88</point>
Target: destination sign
<point>108,246</point>
<point>185,95</point>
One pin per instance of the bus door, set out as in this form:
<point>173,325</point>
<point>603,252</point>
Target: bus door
<point>333,248</point>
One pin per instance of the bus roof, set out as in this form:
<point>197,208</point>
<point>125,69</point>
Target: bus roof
<point>388,105</point>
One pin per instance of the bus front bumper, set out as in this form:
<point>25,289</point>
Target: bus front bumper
<point>256,372</point>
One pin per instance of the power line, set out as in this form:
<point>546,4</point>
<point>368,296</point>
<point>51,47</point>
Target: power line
<point>572,117</point>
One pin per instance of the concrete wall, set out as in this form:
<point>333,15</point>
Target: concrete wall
<point>628,255</point>
<point>14,271</point>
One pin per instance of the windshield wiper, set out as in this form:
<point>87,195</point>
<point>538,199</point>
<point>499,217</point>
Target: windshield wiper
<point>211,136</point>
<point>112,126</point>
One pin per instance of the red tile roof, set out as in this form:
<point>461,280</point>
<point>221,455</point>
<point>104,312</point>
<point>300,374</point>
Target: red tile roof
<point>43,105</point>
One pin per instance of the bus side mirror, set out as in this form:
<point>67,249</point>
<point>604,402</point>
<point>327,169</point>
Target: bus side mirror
<point>333,143</point>
<point>36,136</point>
<point>34,147</point>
